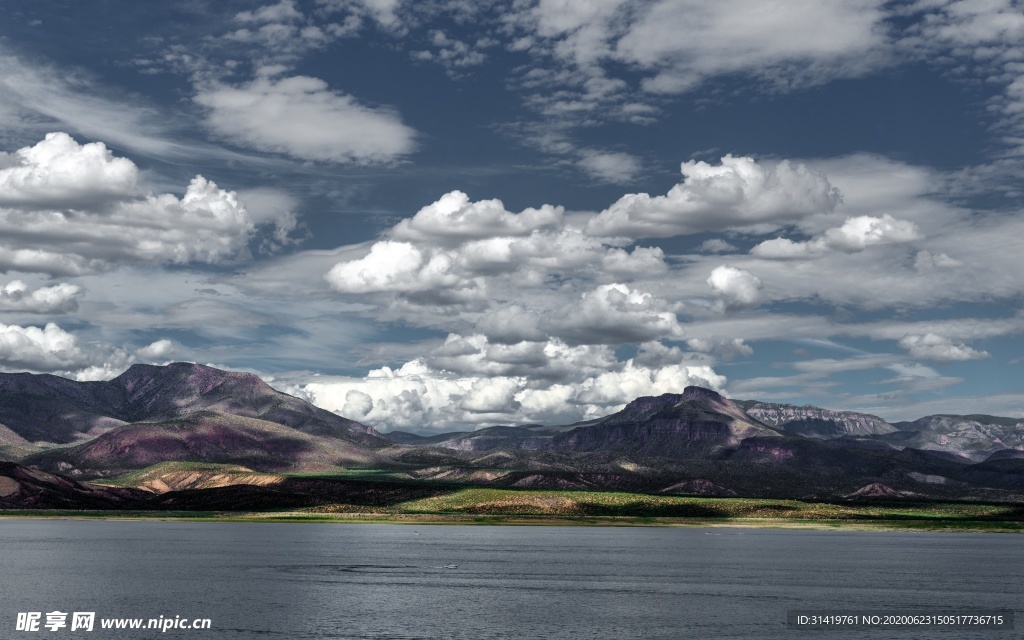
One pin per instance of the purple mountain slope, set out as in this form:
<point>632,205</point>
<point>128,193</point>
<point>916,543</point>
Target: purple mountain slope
<point>45,408</point>
<point>696,423</point>
<point>206,436</point>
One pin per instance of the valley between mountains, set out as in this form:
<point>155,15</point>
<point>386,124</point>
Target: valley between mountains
<point>190,437</point>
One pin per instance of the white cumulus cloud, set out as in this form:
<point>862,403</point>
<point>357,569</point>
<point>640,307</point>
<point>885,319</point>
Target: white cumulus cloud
<point>454,250</point>
<point>856,234</point>
<point>48,348</point>
<point>738,193</point>
<point>158,350</point>
<point>57,172</point>
<point>736,288</point>
<point>615,314</point>
<point>59,298</point>
<point>395,267</point>
<point>454,218</point>
<point>111,222</point>
<point>425,398</point>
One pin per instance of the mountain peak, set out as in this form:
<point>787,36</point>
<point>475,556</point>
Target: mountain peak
<point>645,404</point>
<point>648,403</point>
<point>702,393</point>
<point>139,369</point>
<point>197,377</point>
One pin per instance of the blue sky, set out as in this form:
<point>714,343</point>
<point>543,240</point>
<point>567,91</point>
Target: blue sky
<point>445,214</point>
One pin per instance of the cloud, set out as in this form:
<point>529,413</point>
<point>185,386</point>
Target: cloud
<point>301,117</point>
<point>384,12</point>
<point>981,37</point>
<point>41,97</point>
<point>549,359</point>
<point>510,325</point>
<point>40,349</point>
<point>274,210</point>
<point>456,250</point>
<point>421,397</point>
<point>634,381</point>
<point>580,49</point>
<point>640,262</point>
<point>717,245</point>
<point>58,172</point>
<point>926,261</point>
<point>864,361</point>
<point>453,219</point>
<point>453,54</point>
<point>273,47</point>
<point>924,250</point>
<point>856,234</point>
<point>505,268</point>
<point>71,209</point>
<point>60,298</point>
<point>615,168</point>
<point>655,354</point>
<point>397,267</point>
<point>861,232</point>
<point>735,288</point>
<point>935,347</point>
<point>794,43</point>
<point>738,193</point>
<point>871,183</point>
<point>615,314</point>
<point>726,348</point>
<point>159,350</point>
<point>282,11</point>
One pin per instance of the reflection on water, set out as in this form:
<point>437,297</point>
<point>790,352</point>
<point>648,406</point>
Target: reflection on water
<point>298,581</point>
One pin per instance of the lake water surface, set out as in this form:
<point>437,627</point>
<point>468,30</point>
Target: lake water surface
<point>298,581</point>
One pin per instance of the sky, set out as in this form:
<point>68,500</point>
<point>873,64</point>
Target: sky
<point>449,214</point>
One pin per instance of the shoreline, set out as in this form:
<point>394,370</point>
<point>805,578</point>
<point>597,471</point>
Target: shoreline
<point>304,517</point>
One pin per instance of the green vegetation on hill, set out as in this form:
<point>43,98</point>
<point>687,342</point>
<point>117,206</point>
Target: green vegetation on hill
<point>589,503</point>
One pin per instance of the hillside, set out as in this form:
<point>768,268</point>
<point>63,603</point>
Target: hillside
<point>186,427</point>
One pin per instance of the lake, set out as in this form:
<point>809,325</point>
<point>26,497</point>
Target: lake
<point>298,581</point>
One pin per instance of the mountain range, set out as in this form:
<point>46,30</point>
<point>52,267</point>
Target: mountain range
<point>239,443</point>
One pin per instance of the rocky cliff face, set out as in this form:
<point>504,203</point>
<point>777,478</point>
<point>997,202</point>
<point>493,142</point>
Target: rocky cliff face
<point>815,422</point>
<point>974,436</point>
